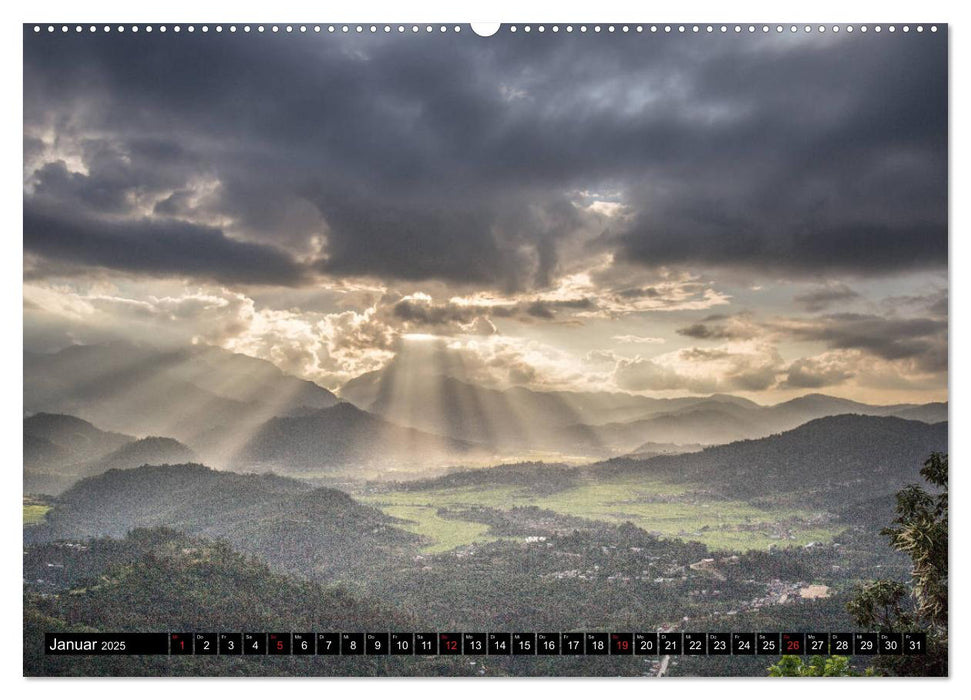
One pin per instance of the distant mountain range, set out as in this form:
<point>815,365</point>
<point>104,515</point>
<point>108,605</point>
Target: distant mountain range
<point>590,423</point>
<point>208,398</point>
<point>286,522</point>
<point>395,389</point>
<point>238,412</point>
<point>714,421</point>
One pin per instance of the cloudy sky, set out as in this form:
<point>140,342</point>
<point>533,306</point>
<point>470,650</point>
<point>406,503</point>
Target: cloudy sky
<point>676,214</point>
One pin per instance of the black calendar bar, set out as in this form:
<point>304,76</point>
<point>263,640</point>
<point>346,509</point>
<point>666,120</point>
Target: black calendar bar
<point>485,643</point>
<point>104,644</point>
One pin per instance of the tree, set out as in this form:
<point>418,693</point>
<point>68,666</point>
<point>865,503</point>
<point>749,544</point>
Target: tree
<point>790,666</point>
<point>920,532</point>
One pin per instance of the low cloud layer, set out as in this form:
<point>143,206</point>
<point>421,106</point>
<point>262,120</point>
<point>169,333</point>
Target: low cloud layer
<point>334,346</point>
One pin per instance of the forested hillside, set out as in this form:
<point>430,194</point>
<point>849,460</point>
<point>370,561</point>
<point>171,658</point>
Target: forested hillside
<point>288,523</point>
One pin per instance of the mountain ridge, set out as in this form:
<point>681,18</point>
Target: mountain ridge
<point>61,449</point>
<point>579,422</point>
<point>343,436</point>
<point>203,396</point>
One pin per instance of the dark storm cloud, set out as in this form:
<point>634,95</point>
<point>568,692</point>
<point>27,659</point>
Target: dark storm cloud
<point>704,331</point>
<point>371,237</point>
<point>939,307</point>
<point>424,312</point>
<point>117,174</point>
<point>921,339</point>
<point>839,165</point>
<point>639,293</point>
<point>808,373</point>
<point>934,304</point>
<point>540,310</point>
<point>459,158</point>
<point>721,327</point>
<point>157,247</point>
<point>824,297</point>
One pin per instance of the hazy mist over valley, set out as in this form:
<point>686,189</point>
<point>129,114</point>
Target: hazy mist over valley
<point>236,412</point>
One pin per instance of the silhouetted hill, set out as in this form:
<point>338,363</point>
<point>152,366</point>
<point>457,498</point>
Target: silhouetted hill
<point>149,450</point>
<point>928,413</point>
<point>75,440</point>
<point>343,436</point>
<point>41,453</point>
<point>83,450</point>
<point>57,449</point>
<point>805,408</point>
<point>286,522</point>
<point>816,403</point>
<point>710,424</point>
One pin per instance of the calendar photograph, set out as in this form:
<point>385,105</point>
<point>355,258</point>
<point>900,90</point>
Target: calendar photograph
<point>424,350</point>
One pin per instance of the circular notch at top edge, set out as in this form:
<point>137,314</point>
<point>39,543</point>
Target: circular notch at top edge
<point>485,28</point>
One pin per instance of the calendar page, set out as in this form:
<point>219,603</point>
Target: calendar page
<point>540,349</point>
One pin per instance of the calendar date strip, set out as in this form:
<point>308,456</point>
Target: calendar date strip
<point>484,643</point>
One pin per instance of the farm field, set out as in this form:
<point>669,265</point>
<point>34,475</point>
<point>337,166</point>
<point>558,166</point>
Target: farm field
<point>443,534</point>
<point>669,510</point>
<point>34,511</point>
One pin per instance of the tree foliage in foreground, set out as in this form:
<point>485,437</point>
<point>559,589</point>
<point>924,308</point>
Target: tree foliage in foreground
<point>796,666</point>
<point>920,532</point>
